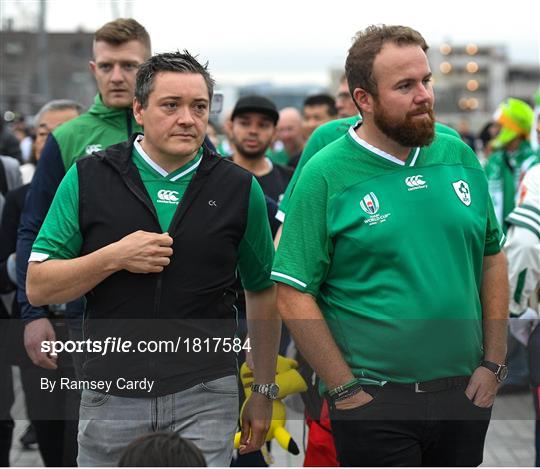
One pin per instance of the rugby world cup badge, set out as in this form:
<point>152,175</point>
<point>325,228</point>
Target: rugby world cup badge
<point>370,204</point>
<point>461,189</point>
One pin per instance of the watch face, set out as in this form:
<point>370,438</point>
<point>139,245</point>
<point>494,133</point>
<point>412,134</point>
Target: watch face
<point>273,391</point>
<point>503,373</point>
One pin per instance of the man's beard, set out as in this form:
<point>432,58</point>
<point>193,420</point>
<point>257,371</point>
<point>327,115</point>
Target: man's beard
<point>408,132</point>
<point>250,154</point>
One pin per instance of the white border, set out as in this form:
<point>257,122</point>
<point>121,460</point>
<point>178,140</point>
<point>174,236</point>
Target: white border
<point>288,277</point>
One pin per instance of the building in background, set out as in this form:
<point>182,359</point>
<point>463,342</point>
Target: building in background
<point>22,88</point>
<point>472,80</point>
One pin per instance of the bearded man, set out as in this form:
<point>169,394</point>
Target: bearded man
<point>391,277</point>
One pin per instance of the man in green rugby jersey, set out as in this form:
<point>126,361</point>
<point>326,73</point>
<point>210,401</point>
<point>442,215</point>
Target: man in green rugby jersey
<point>390,274</point>
<point>152,232</point>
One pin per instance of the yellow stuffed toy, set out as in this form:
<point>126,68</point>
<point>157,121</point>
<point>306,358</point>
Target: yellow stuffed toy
<point>290,382</point>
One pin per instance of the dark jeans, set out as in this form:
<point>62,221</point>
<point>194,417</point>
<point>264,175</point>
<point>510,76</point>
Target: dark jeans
<point>402,428</point>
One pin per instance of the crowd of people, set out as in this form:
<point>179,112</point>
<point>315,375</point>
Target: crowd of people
<point>149,251</point>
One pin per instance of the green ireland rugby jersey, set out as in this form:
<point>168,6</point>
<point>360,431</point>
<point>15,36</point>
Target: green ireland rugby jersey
<point>322,136</point>
<point>60,236</point>
<point>504,171</point>
<point>393,253</point>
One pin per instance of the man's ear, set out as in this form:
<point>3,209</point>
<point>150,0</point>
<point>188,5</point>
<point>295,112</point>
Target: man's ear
<point>92,67</point>
<point>137,111</point>
<point>363,99</point>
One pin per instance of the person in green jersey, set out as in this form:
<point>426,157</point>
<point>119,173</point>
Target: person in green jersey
<point>512,156</point>
<point>152,232</point>
<point>391,276</point>
<point>505,168</point>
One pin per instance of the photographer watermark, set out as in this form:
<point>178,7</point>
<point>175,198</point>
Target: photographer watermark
<point>119,345</point>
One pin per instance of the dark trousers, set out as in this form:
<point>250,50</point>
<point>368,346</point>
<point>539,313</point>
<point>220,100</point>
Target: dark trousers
<point>534,366</point>
<point>402,428</point>
<point>6,422</point>
<point>54,415</point>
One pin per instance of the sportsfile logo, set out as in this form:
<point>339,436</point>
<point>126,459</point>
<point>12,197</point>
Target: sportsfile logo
<point>415,182</point>
<point>168,197</point>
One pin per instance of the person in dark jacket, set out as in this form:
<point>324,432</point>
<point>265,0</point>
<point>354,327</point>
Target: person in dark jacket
<point>152,232</point>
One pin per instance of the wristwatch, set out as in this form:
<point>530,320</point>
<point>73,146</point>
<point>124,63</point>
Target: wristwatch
<point>270,391</point>
<point>500,371</point>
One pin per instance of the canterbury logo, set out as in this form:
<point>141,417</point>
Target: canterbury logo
<point>168,197</point>
<point>92,148</point>
<point>415,181</point>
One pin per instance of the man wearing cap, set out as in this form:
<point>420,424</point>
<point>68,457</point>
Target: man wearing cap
<point>512,157</point>
<point>253,128</point>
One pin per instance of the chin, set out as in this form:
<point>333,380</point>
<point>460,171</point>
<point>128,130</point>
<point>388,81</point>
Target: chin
<point>119,102</point>
<point>185,151</point>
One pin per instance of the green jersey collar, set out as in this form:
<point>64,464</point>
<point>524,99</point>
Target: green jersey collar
<point>411,159</point>
<point>100,109</point>
<point>176,174</point>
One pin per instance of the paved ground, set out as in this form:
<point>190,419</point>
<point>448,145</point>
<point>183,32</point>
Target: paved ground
<point>509,440</point>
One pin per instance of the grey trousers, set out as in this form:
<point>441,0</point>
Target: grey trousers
<point>206,414</point>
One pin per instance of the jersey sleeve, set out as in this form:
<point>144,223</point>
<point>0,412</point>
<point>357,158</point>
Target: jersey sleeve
<point>527,213</point>
<point>495,237</point>
<point>523,254</point>
<point>304,253</point>
<point>49,172</point>
<point>60,236</point>
<point>256,250</point>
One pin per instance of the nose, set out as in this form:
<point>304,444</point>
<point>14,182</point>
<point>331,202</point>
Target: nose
<point>424,93</point>
<point>117,75</point>
<point>184,116</point>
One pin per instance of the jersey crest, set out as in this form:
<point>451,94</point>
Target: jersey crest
<point>370,204</point>
<point>462,191</point>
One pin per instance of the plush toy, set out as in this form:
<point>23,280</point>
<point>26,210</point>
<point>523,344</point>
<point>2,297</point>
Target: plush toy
<point>290,382</point>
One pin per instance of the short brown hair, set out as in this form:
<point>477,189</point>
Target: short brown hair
<point>123,30</point>
<point>367,45</point>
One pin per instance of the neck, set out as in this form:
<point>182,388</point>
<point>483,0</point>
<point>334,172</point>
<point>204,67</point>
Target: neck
<point>294,149</point>
<point>169,163</point>
<point>369,132</point>
<point>256,166</point>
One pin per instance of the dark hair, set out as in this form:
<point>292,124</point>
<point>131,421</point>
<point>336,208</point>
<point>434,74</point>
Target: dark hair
<point>322,100</point>
<point>169,62</point>
<point>162,449</point>
<point>367,44</point>
<point>123,30</point>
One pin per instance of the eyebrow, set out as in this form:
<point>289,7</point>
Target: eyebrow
<point>407,80</point>
<point>179,98</point>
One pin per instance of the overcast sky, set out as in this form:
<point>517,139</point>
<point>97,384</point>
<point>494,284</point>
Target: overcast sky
<point>288,41</point>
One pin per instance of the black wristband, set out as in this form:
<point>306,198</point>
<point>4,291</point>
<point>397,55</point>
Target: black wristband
<point>344,391</point>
